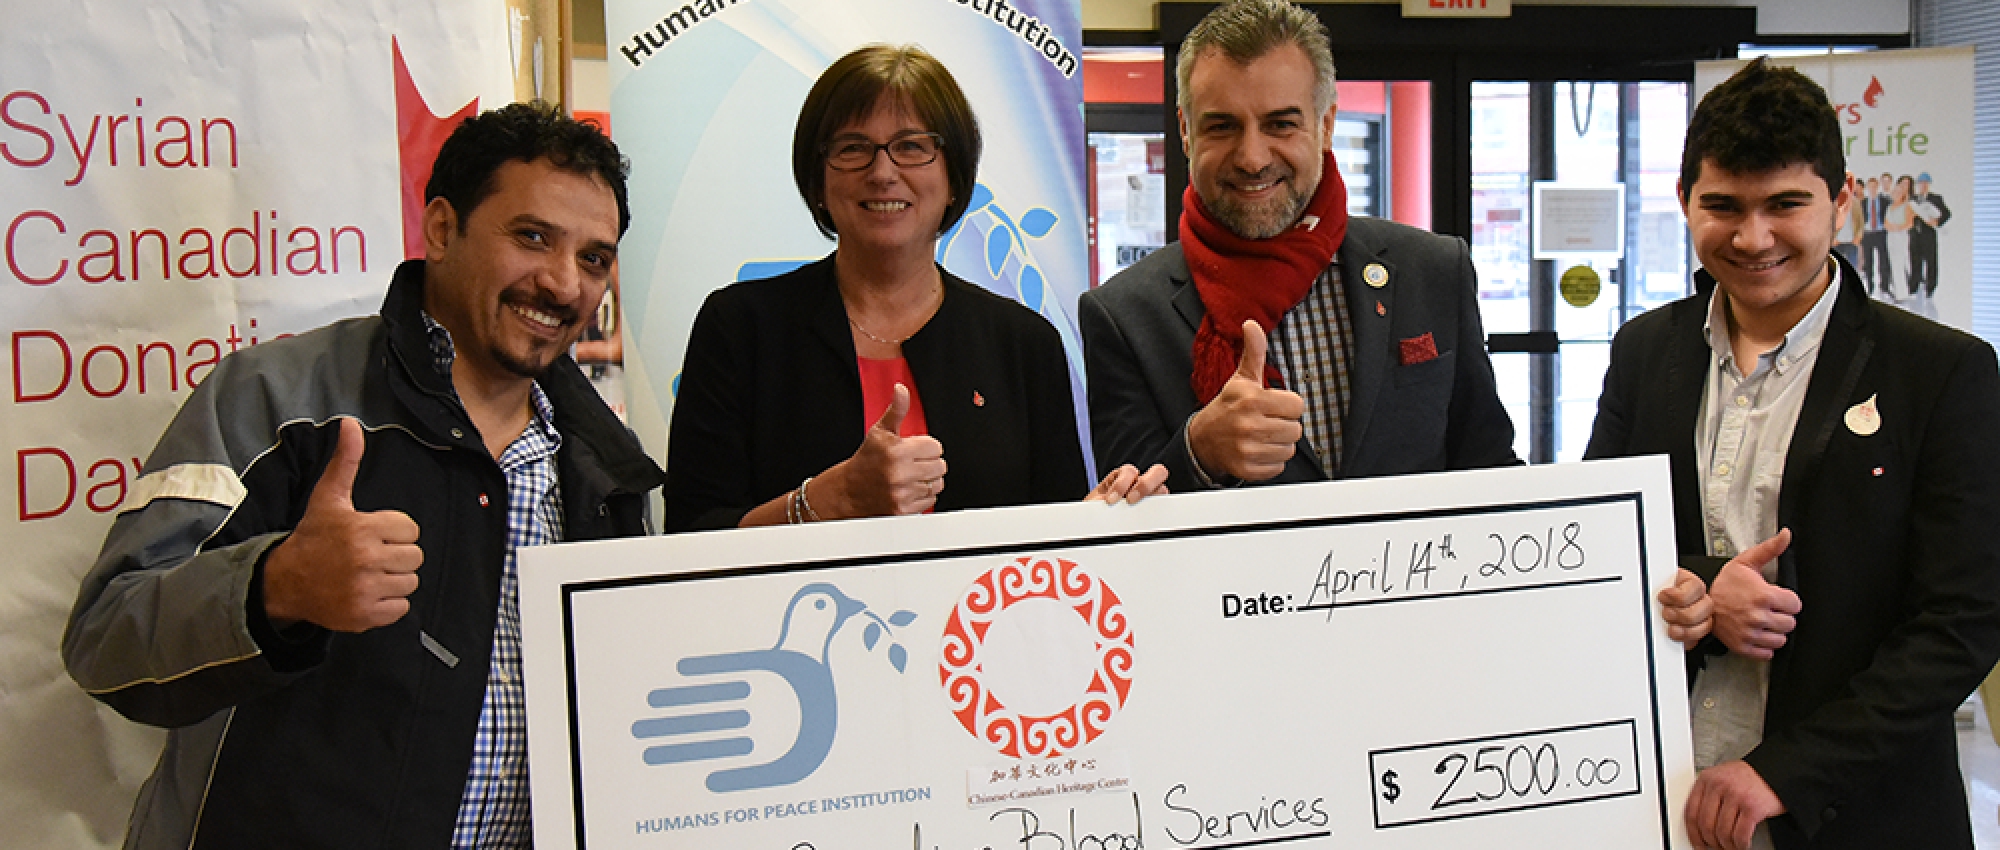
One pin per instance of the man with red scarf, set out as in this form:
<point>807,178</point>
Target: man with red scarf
<point>1278,340</point>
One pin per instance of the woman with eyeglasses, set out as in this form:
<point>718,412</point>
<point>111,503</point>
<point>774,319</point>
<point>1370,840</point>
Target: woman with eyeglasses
<point>874,382</point>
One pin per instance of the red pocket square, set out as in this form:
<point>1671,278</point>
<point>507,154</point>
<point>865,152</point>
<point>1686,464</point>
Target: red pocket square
<point>1419,349</point>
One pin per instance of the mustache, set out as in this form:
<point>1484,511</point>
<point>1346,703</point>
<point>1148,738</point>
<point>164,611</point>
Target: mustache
<point>538,303</point>
<point>1269,172</point>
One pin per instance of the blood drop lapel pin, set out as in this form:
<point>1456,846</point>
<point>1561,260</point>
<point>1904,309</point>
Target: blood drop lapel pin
<point>1863,419</point>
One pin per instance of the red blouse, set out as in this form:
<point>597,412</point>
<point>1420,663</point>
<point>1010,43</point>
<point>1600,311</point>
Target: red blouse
<point>878,387</point>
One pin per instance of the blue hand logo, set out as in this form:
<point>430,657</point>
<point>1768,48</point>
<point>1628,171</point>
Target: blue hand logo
<point>813,617</point>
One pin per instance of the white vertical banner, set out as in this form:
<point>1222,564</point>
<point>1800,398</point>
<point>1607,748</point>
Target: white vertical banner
<point>177,181</point>
<point>1906,115</point>
<point>704,96</point>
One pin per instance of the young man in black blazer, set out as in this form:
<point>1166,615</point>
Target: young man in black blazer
<point>1854,438</point>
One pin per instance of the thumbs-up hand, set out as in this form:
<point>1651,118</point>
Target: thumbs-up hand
<point>1247,431</point>
<point>343,569</point>
<point>1753,616</point>
<point>889,474</point>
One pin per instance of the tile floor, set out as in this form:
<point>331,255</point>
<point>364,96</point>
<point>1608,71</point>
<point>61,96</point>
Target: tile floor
<point>1979,758</point>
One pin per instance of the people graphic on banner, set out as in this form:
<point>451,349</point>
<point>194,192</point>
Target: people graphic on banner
<point>1900,217</point>
<point>1928,213</point>
<point>1896,220</point>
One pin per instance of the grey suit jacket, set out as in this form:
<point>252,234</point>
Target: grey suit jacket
<point>1442,413</point>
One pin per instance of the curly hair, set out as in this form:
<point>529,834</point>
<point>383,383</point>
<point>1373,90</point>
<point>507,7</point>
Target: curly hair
<point>522,132</point>
<point>849,89</point>
<point>1765,117</point>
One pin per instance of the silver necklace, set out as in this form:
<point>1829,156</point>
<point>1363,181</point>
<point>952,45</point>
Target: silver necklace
<point>889,342</point>
<point>906,337</point>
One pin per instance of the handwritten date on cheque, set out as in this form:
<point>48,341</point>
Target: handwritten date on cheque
<point>1553,554</point>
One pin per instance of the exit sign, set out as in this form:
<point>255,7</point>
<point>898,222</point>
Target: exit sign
<point>1457,8</point>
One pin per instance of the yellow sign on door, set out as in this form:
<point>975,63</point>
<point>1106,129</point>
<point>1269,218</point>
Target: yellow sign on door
<point>1580,286</point>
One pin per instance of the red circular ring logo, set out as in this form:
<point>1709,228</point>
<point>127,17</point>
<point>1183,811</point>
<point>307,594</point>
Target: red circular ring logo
<point>982,713</point>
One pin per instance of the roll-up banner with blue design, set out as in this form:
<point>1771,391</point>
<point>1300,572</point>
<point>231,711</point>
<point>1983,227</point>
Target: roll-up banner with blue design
<point>704,95</point>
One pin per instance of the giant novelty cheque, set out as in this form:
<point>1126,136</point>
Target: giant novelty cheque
<point>1467,659</point>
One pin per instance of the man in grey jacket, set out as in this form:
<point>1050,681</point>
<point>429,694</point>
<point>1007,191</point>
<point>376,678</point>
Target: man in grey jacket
<point>312,584</point>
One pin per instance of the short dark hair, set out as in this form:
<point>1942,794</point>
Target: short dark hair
<point>852,87</point>
<point>522,132</point>
<point>1761,118</point>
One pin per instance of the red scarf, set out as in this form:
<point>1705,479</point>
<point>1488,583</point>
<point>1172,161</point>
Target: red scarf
<point>1258,279</point>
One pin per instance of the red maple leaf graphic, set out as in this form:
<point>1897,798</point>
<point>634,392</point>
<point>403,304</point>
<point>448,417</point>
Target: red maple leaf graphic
<point>419,134</point>
<point>1873,93</point>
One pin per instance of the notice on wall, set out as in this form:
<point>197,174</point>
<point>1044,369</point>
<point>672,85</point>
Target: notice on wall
<point>1571,220</point>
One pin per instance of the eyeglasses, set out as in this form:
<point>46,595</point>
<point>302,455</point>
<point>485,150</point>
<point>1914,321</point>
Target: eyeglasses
<point>857,153</point>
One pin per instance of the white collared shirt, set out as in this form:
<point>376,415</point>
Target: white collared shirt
<point>1746,426</point>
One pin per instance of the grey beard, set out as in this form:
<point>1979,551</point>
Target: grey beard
<point>1262,222</point>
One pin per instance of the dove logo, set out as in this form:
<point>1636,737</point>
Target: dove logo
<point>816,613</point>
<point>1037,657</point>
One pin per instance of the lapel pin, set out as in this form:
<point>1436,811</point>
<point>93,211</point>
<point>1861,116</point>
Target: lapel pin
<point>1863,419</point>
<point>977,399</point>
<point>1375,275</point>
<point>1878,472</point>
<point>1381,310</point>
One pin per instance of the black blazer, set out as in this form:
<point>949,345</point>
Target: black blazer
<point>770,394</point>
<point>1893,557</point>
<point>1138,337</point>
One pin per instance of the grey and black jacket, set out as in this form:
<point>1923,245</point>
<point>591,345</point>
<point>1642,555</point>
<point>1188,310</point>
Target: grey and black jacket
<point>310,738</point>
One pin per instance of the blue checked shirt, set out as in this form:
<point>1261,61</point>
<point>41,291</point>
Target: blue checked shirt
<point>493,812</point>
<point>1311,349</point>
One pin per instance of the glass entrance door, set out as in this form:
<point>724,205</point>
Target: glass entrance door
<point>1594,164</point>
